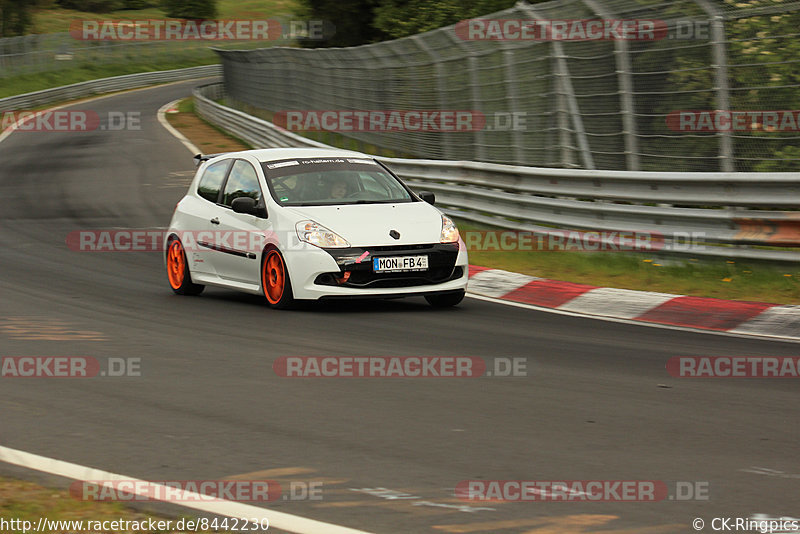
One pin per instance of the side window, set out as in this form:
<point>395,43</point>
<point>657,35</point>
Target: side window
<point>211,181</point>
<point>242,182</point>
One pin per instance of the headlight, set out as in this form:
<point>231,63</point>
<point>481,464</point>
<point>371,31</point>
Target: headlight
<point>316,234</point>
<point>449,230</point>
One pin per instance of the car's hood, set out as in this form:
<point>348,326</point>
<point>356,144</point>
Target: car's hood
<point>370,224</point>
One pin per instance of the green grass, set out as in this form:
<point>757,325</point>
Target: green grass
<point>26,83</point>
<point>26,501</point>
<point>187,106</point>
<point>131,59</point>
<point>731,279</point>
<point>52,19</point>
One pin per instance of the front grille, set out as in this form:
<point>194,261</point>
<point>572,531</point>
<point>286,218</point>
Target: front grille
<point>441,267</point>
<point>404,248</point>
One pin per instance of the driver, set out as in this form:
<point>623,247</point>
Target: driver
<point>339,189</point>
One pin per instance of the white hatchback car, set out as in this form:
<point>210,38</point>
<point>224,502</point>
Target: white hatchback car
<point>308,224</point>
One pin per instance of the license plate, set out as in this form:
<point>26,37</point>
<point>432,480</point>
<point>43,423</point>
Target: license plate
<point>397,264</point>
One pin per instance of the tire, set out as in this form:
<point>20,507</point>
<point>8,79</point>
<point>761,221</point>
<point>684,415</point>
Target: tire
<point>275,282</point>
<point>446,300</point>
<point>180,280</point>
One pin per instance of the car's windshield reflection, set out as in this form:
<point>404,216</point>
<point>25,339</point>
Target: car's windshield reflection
<point>312,182</point>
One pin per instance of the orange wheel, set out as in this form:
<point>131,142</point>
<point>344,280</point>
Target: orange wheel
<point>275,280</point>
<point>176,264</point>
<point>178,271</point>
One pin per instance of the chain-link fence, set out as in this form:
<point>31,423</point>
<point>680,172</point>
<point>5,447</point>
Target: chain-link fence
<point>54,52</point>
<point>30,54</point>
<point>559,100</point>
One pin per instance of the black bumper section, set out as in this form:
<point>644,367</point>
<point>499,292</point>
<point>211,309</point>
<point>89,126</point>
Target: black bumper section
<point>441,266</point>
<point>389,296</point>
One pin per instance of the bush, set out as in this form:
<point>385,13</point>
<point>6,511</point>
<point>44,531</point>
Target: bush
<point>190,9</point>
<point>15,17</point>
<point>95,6</point>
<point>137,4</point>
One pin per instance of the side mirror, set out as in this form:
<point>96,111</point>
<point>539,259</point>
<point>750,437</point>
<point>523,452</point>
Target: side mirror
<point>247,205</point>
<point>428,197</point>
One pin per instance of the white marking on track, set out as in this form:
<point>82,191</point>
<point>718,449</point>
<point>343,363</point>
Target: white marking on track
<point>631,321</point>
<point>496,283</point>
<point>162,118</point>
<point>770,472</point>
<point>612,302</point>
<point>281,520</point>
<point>777,321</point>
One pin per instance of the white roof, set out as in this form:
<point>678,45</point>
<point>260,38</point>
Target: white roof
<point>272,154</point>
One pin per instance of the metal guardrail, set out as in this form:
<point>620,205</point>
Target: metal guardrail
<point>255,131</point>
<point>545,200</point>
<point>104,85</point>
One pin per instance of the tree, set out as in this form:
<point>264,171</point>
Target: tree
<point>15,17</point>
<point>762,75</point>
<point>92,6</point>
<point>352,21</point>
<point>190,9</point>
<point>360,22</point>
<point>137,4</point>
<point>401,18</point>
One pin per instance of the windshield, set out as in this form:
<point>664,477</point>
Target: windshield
<point>332,181</point>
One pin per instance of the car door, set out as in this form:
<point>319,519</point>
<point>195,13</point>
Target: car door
<point>197,233</point>
<point>239,237</point>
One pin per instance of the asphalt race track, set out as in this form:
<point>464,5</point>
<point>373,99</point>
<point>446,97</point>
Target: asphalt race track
<point>597,403</point>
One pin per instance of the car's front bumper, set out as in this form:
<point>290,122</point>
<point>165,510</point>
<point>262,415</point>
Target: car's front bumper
<point>348,273</point>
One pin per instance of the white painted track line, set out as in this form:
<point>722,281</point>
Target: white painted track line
<point>496,283</point>
<point>632,322</point>
<point>280,520</point>
<point>780,321</point>
<point>621,303</point>
<point>175,133</point>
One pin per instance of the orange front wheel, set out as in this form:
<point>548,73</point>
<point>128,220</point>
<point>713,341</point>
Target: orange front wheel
<point>178,270</point>
<point>275,280</point>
